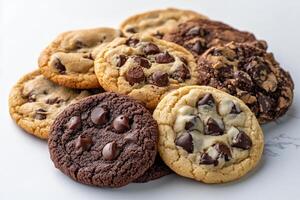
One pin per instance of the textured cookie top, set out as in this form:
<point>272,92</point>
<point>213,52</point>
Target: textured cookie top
<point>35,102</point>
<point>144,67</point>
<point>158,22</point>
<point>200,34</point>
<point>69,59</point>
<point>207,134</point>
<point>104,140</point>
<point>251,74</point>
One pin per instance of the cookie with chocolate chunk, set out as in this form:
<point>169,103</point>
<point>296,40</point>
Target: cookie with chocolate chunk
<point>251,74</point>
<point>106,140</point>
<point>157,22</point>
<point>144,68</point>
<point>198,35</point>
<point>34,102</point>
<point>69,59</point>
<point>208,135</point>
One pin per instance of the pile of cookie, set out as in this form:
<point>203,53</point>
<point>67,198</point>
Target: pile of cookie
<point>170,81</point>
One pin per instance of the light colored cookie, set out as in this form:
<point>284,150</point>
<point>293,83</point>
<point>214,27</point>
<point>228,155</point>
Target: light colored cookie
<point>69,59</point>
<point>157,22</point>
<point>208,135</point>
<point>144,68</point>
<point>34,102</point>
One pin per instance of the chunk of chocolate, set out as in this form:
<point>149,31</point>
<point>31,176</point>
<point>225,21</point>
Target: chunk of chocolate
<point>242,141</point>
<point>141,61</point>
<point>54,100</point>
<point>164,57</point>
<point>74,123</point>
<point>223,150</point>
<point>99,115</point>
<point>208,99</point>
<point>161,79</point>
<point>192,123</point>
<point>121,123</point>
<point>131,30</point>
<point>197,47</point>
<point>120,60</point>
<point>59,66</point>
<point>110,151</point>
<point>135,75</point>
<point>132,42</point>
<point>150,49</point>
<point>194,31</point>
<point>235,109</point>
<point>40,114</point>
<point>83,142</point>
<point>206,159</point>
<point>243,80</point>
<point>181,73</point>
<point>185,141</point>
<point>213,128</point>
<point>265,103</point>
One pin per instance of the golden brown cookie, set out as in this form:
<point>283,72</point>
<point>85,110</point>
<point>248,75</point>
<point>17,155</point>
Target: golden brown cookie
<point>208,135</point>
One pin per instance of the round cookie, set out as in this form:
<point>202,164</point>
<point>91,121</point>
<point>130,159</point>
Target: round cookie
<point>34,102</point>
<point>198,35</point>
<point>144,68</point>
<point>106,140</point>
<point>251,74</point>
<point>208,135</point>
<point>157,22</point>
<point>69,59</point>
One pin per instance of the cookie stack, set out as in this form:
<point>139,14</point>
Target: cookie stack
<point>170,81</point>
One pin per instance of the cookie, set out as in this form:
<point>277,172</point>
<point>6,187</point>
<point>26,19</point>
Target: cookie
<point>198,35</point>
<point>251,74</point>
<point>156,171</point>
<point>144,68</point>
<point>69,59</point>
<point>34,102</point>
<point>208,135</point>
<point>157,22</point>
<point>106,140</point>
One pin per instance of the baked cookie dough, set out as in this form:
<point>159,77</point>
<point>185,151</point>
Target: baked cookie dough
<point>34,102</point>
<point>144,68</point>
<point>106,140</point>
<point>69,59</point>
<point>208,135</point>
<point>251,74</point>
<point>157,22</point>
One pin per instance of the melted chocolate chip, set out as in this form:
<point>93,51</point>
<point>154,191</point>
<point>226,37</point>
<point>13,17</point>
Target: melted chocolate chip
<point>121,123</point>
<point>242,141</point>
<point>31,97</point>
<point>141,61</point>
<point>265,103</point>
<point>135,75</point>
<point>158,35</point>
<point>185,141</point>
<point>79,44</point>
<point>110,151</point>
<point>206,159</point>
<point>150,49</point>
<point>258,71</point>
<point>194,31</point>
<point>197,47</point>
<point>213,128</point>
<point>74,123</point>
<point>83,142</point>
<point>243,80</point>
<point>223,151</point>
<point>161,79</point>
<point>99,115</point>
<point>120,60</point>
<point>235,109</point>
<point>40,114</point>
<point>164,57</point>
<point>208,99</point>
<point>192,123</point>
<point>132,42</point>
<point>131,30</point>
<point>181,73</point>
<point>226,71</point>
<point>54,100</point>
<point>59,66</point>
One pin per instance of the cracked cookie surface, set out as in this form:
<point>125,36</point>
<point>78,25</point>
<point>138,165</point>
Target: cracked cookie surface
<point>157,22</point>
<point>69,59</point>
<point>34,102</point>
<point>144,68</point>
<point>251,74</point>
<point>106,140</point>
<point>207,135</point>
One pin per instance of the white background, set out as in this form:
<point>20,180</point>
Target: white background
<point>26,27</point>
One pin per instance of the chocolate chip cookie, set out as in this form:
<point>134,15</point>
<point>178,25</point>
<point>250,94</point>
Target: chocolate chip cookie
<point>144,68</point>
<point>34,102</point>
<point>198,35</point>
<point>157,22</point>
<point>208,135</point>
<point>69,59</point>
<point>251,74</point>
<point>104,140</point>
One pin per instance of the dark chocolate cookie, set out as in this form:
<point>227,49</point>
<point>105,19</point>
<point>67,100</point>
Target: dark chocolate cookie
<point>198,35</point>
<point>251,74</point>
<point>104,140</point>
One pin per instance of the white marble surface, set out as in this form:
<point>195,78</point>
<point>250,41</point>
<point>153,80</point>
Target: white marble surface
<point>26,27</point>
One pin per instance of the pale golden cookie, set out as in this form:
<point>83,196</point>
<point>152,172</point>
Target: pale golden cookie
<point>69,59</point>
<point>34,102</point>
<point>144,68</point>
<point>208,135</point>
<point>157,22</point>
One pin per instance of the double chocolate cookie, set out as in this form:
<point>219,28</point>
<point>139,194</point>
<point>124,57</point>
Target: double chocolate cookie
<point>251,74</point>
<point>104,140</point>
<point>208,135</point>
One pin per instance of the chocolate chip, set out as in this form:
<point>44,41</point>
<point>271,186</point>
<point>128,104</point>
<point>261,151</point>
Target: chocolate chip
<point>121,123</point>
<point>243,80</point>
<point>164,57</point>
<point>181,73</point>
<point>132,42</point>
<point>192,123</point>
<point>131,138</point>
<point>40,114</point>
<point>31,97</point>
<point>74,123</point>
<point>208,99</point>
<point>265,103</point>
<point>150,49</point>
<point>183,60</point>
<point>235,109</point>
<point>99,115</point>
<point>223,151</point>
<point>135,75</point>
<point>161,79</point>
<point>206,159</point>
<point>110,151</point>
<point>258,71</point>
<point>185,141</point>
<point>79,44</point>
<point>226,71</point>
<point>213,128</point>
<point>59,66</point>
<point>141,61</point>
<point>131,30</point>
<point>158,35</point>
<point>54,100</point>
<point>84,142</point>
<point>242,141</point>
<point>194,31</point>
<point>197,47</point>
<point>120,60</point>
